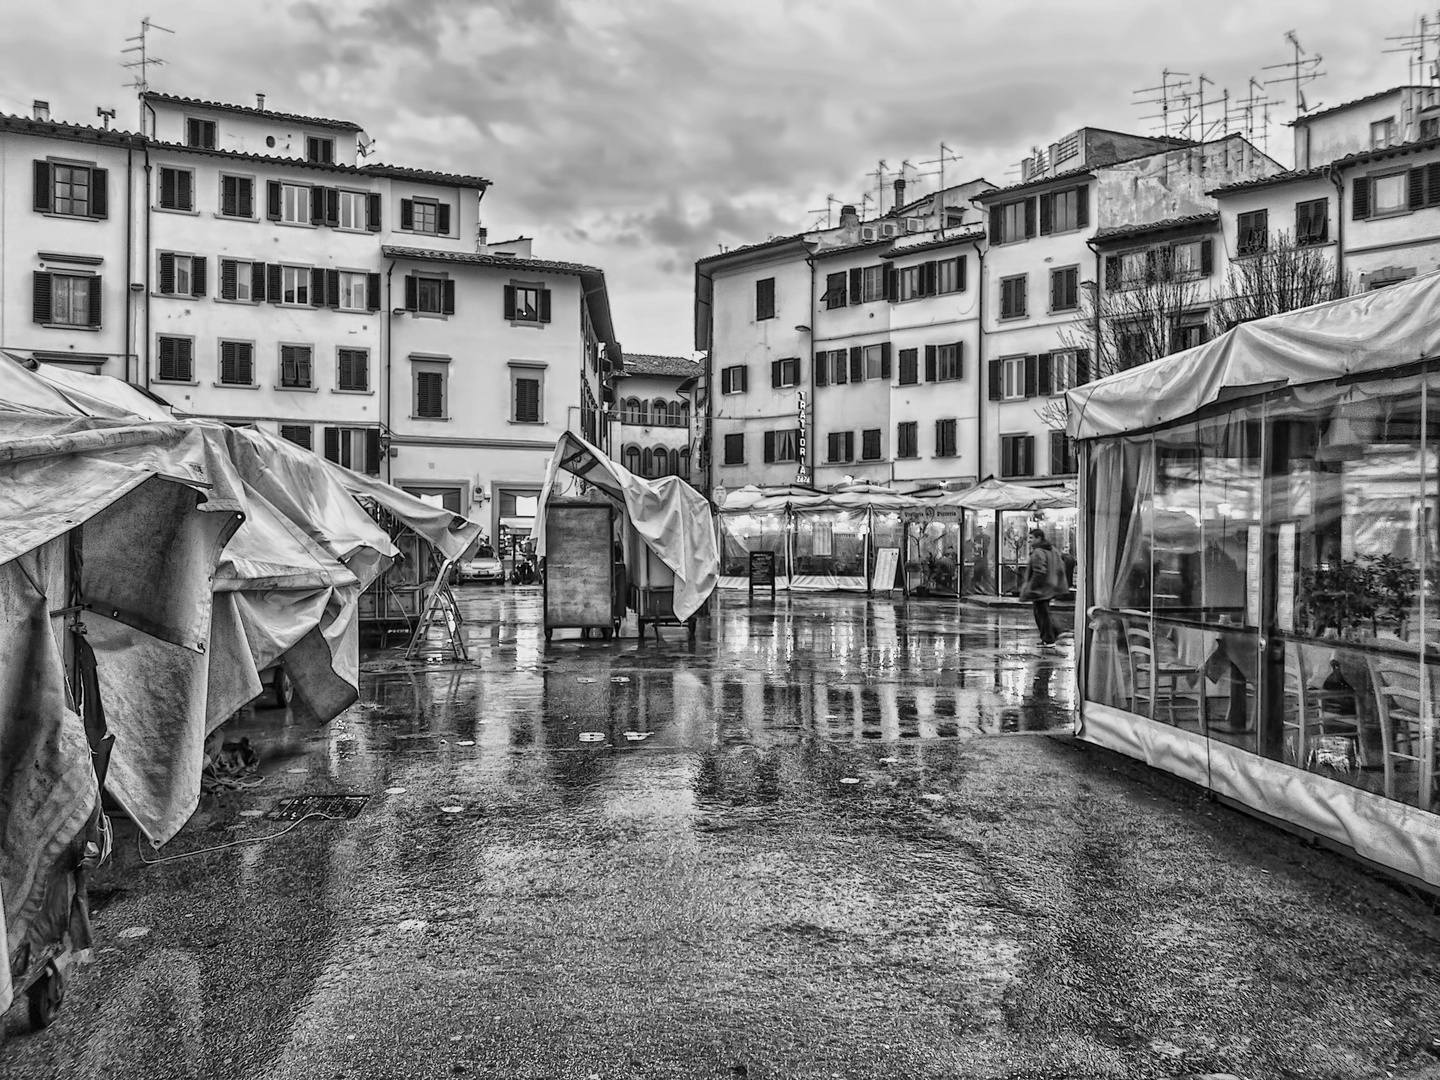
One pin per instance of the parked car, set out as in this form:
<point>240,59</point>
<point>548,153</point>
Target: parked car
<point>483,566</point>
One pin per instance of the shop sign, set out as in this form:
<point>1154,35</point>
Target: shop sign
<point>802,474</point>
<point>927,514</point>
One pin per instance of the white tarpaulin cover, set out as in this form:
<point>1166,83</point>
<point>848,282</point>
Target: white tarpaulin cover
<point>671,517</point>
<point>1000,495</point>
<point>1370,332</point>
<point>451,534</point>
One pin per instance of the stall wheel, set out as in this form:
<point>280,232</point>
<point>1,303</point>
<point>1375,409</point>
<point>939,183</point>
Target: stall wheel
<point>282,688</point>
<point>46,997</point>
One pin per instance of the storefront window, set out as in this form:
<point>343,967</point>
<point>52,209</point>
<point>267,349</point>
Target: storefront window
<point>744,533</point>
<point>830,542</point>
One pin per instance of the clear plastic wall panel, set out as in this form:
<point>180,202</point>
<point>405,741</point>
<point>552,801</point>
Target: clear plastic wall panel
<point>831,542</point>
<point>978,553</point>
<point>932,561</point>
<point>1121,483</point>
<point>1015,526</point>
<point>744,533</point>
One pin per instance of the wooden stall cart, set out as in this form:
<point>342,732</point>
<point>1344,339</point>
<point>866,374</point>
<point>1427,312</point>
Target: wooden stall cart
<point>584,578</point>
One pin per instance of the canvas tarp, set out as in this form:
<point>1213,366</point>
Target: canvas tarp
<point>1372,332</point>
<point>671,517</point>
<point>1001,495</point>
<point>451,534</point>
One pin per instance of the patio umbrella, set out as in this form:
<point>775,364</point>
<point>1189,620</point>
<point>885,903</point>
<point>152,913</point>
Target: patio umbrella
<point>1000,495</point>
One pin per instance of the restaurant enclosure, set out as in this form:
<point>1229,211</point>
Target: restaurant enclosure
<point>1260,551</point>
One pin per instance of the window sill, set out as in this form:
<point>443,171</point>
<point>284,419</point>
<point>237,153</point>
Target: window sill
<point>1015,318</point>
<point>907,457</point>
<point>237,386</point>
<point>295,224</point>
<point>1314,243</point>
<point>432,419</point>
<point>176,210</point>
<point>947,455</point>
<point>71,217</point>
<point>157,380</point>
<point>527,423</point>
<point>236,217</point>
<point>297,389</point>
<point>177,296</point>
<point>1017,397</point>
<point>533,324</point>
<point>71,326</point>
<point>730,464</point>
<point>361,393</point>
<point>421,232</point>
<point>1065,310</point>
<point>428,315</point>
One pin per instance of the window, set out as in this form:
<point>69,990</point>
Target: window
<point>1131,348</point>
<point>1389,195</point>
<point>1134,269</point>
<point>242,280</point>
<point>177,359</point>
<point>1017,455</point>
<point>350,210</point>
<point>1062,454</point>
<point>872,357</point>
<point>1065,289</point>
<point>1254,232</point>
<point>354,448</point>
<point>835,290</point>
<point>840,446</point>
<point>907,438</point>
<point>909,367</point>
<point>525,394</point>
<point>181,275</point>
<point>72,190</point>
<point>782,446</point>
<point>1012,221</point>
<point>632,459</point>
<point>765,299</point>
<point>295,204</point>
<point>353,291</point>
<point>1062,372</point>
<point>1187,259</point>
<point>1012,370</point>
<point>431,295</point>
<point>237,363</point>
<point>177,188</point>
<point>839,360</point>
<point>320,150</point>
<point>429,385</point>
<point>200,133</point>
<point>634,411</point>
<point>299,434</point>
<point>1189,331</point>
<point>950,275</point>
<point>1430,128</point>
<point>1063,211</point>
<point>786,372</point>
<point>295,367</point>
<point>735,449</point>
<point>947,362</point>
<point>67,299</point>
<point>294,285</point>
<point>425,216</point>
<point>912,282</point>
<point>237,196</point>
<point>872,283</point>
<point>870,444</point>
<point>354,369</point>
<point>945,438</point>
<point>527,302</point>
<point>734,379</point>
<point>1012,297</point>
<point>1382,133</point>
<point>1312,221</point>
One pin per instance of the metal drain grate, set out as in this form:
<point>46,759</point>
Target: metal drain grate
<point>335,806</point>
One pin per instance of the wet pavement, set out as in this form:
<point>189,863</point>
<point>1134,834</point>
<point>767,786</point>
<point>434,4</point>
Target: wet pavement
<point>831,837</point>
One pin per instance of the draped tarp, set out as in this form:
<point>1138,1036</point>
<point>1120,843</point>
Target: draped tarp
<point>1372,332</point>
<point>671,517</point>
<point>1001,495</point>
<point>451,534</point>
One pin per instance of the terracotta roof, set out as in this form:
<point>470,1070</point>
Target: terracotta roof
<point>249,110</point>
<point>1351,104</point>
<point>1363,157</point>
<point>1041,181</point>
<point>422,176</point>
<point>774,241</point>
<point>476,258</point>
<point>61,130</point>
<point>679,367</point>
<point>1189,221</point>
<point>968,237</point>
<point>847,249</point>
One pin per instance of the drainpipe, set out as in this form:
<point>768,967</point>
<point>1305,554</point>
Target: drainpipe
<point>1095,314</point>
<point>809,422</point>
<point>1333,175</point>
<point>131,372</point>
<point>149,262</point>
<point>982,368</point>
<point>388,328</point>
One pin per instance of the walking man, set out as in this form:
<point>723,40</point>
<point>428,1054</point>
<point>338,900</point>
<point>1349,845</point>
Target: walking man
<point>1045,580</point>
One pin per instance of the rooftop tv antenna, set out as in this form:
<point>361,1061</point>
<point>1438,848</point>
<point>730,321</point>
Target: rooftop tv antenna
<point>1302,69</point>
<point>1245,111</point>
<point>1416,45</point>
<point>141,82</point>
<point>946,154</point>
<point>830,201</point>
<point>879,175</point>
<point>1170,92</point>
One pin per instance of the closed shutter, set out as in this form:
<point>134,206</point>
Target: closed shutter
<point>1047,214</point>
<point>1082,206</point>
<point>44,187</point>
<point>346,370</point>
<point>544,305</point>
<point>198,284</point>
<point>167,273</point>
<point>1432,184</point>
<point>527,400</point>
<point>960,273</point>
<point>996,378</point>
<point>184,195</point>
<point>274,283</point>
<point>1057,290</point>
<point>1302,222</point>
<point>931,362</point>
<point>885,360</point>
<point>332,206</point>
<point>857,364</point>
<point>447,297</point>
<point>1360,199</point>
<point>332,288</point>
<point>995,220</point>
<point>1028,444</point>
<point>1415,188</point>
<point>257,281</point>
<point>849,446</point>
<point>228,373</point>
<point>332,444</point>
<point>442,219</point>
<point>372,452</point>
<point>769,447</point>
<point>509,300</point>
<point>317,287</point>
<point>1045,374</point>
<point>870,444</point>
<point>857,285</point>
<point>412,293</point>
<point>372,213</point>
<point>317,205</point>
<point>429,394</point>
<point>185,359</point>
<point>230,196</point>
<point>821,370</point>
<point>100,193</point>
<point>939,438</point>
<point>407,214</point>
<point>929,278</point>
<point>372,292</point>
<point>1207,257</point>
<point>841,372</point>
<point>908,366</point>
<point>245,202</point>
<point>1029,217</point>
<point>1082,366</point>
<point>167,358</point>
<point>892,283</point>
<point>272,199</point>
<point>832,446</point>
<point>229,280</point>
<point>1032,375</point>
<point>1112,271</point>
<point>168,198</point>
<point>744,379</point>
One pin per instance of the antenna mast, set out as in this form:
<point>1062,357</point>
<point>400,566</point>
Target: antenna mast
<point>1172,88</point>
<point>1302,70</point>
<point>141,82</point>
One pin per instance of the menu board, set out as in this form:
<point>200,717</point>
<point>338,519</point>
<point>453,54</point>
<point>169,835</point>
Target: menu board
<point>1285,581</point>
<point>578,558</point>
<point>886,559</point>
<point>762,571</point>
<point>1253,584</point>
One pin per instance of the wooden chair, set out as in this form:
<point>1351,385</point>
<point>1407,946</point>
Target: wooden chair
<point>1311,713</point>
<point>1397,699</point>
<point>1148,680</point>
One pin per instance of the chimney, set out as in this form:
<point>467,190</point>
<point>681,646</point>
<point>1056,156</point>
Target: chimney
<point>42,109</point>
<point>899,192</point>
<point>482,235</point>
<point>849,219</point>
<point>260,101</point>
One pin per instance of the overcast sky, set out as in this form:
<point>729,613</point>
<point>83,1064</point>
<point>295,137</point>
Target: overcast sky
<point>638,135</point>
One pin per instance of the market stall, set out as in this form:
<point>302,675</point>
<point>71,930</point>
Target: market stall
<point>995,548</point>
<point>1260,521</point>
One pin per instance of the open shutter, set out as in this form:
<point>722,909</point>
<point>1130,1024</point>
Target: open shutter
<point>272,199</point>
<point>1029,217</point>
<point>1082,206</point>
<point>274,284</point>
<point>96,295</point>
<point>931,360</point>
<point>960,273</point>
<point>407,213</point>
<point>332,206</point>
<point>857,285</point>
<point>1028,442</point>
<point>412,294</point>
<point>245,198</point>
<point>841,374</point>
<point>1046,379</point>
<point>1057,290</point>
<point>372,213</point>
<point>821,369</point>
<point>372,292</point>
<point>43,296</point>
<point>167,273</point>
<point>1082,366</point>
<point>544,305</point>
<point>959,359</point>
<point>769,447</point>
<point>447,297</point>
<point>1360,199</point>
<point>1415,188</point>
<point>100,193</point>
<point>44,188</point>
<point>1047,214</point>
<point>939,438</point>
<point>892,283</point>
<point>849,446</point>
<point>372,451</point>
<point>229,280</point>
<point>257,281</point>
<point>744,378</point>
<point>198,284</point>
<point>317,287</point>
<point>929,279</point>
<point>317,205</point>
<point>442,219</point>
<point>774,373</point>
<point>857,364</point>
<point>1112,271</point>
<point>995,225</point>
<point>1032,376</point>
<point>885,361</point>
<point>509,301</point>
<point>1207,257</point>
<point>184,195</point>
<point>332,444</point>
<point>332,288</point>
<point>996,379</point>
<point>1432,184</point>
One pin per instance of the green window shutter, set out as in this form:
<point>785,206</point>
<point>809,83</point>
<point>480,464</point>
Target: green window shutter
<point>1047,214</point>
<point>769,447</point>
<point>1360,198</point>
<point>229,280</point>
<point>43,297</point>
<point>995,376</point>
<point>317,287</point>
<point>198,284</point>
<point>885,360</point>
<point>167,273</point>
<point>544,305</point>
<point>257,281</point>
<point>959,359</point>
<point>407,213</point>
<point>447,297</point>
<point>272,199</point>
<point>857,364</point>
<point>442,219</point>
<point>931,363</point>
<point>317,205</point>
<point>857,285</point>
<point>1082,206</point>
<point>274,283</point>
<point>1029,217</point>
<point>44,187</point>
<point>1415,188</point>
<point>230,195</point>
<point>332,288</point>
<point>167,358</point>
<point>372,213</point>
<point>412,293</point>
<point>332,206</point>
<point>1207,257</point>
<point>960,273</point>
<point>1032,376</point>
<point>821,369</point>
<point>372,292</point>
<point>332,444</point>
<point>1045,376</point>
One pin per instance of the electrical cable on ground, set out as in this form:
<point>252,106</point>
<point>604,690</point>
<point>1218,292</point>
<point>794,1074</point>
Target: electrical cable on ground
<point>140,847</point>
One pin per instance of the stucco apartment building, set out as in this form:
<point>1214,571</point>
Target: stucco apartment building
<point>651,422</point>
<point>246,265</point>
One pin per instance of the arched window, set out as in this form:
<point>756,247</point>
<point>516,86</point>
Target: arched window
<point>647,463</point>
<point>682,463</point>
<point>630,411</point>
<point>661,410</point>
<point>632,458</point>
<point>677,414</point>
<point>662,462</point>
